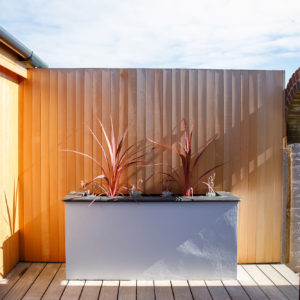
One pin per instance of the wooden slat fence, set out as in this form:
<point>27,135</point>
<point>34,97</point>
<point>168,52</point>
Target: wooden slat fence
<point>245,108</point>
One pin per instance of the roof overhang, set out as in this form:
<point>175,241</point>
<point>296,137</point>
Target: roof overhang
<point>15,57</point>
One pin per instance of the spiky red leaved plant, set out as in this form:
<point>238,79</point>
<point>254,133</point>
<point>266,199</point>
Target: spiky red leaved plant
<point>188,161</point>
<point>117,159</point>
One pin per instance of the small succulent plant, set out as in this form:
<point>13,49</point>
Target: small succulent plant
<point>134,191</point>
<point>166,192</point>
<point>210,184</point>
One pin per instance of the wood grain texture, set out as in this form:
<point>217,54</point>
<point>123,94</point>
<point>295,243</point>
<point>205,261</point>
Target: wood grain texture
<point>109,290</point>
<point>127,290</point>
<point>91,290</point>
<point>53,165</point>
<point>284,285</point>
<point>57,285</point>
<point>61,161</point>
<point>145,290</point>
<point>9,190</point>
<point>249,285</point>
<point>199,290</point>
<point>73,290</point>
<point>25,282</point>
<point>268,286</point>
<point>41,284</point>
<point>45,164</point>
<point>12,277</point>
<point>217,290</point>
<point>288,274</point>
<point>12,66</point>
<point>244,108</point>
<point>181,290</point>
<point>235,290</point>
<point>34,224</point>
<point>163,290</point>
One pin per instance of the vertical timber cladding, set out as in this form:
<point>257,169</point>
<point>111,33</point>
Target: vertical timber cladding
<point>244,107</point>
<point>9,225</point>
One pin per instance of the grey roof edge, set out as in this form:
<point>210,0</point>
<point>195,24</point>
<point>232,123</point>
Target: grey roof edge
<point>15,45</point>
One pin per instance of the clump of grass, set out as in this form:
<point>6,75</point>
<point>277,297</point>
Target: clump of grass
<point>11,215</point>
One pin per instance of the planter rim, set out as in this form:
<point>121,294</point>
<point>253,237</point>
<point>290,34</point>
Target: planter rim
<point>221,197</point>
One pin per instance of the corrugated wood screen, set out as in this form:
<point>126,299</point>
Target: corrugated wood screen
<point>244,107</point>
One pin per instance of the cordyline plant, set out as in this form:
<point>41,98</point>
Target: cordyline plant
<point>117,158</point>
<point>189,162</point>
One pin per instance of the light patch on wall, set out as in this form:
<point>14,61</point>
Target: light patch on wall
<point>260,159</point>
<point>269,153</point>
<point>251,166</point>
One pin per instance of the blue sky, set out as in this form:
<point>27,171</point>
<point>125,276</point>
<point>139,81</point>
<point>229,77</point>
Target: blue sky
<point>230,34</point>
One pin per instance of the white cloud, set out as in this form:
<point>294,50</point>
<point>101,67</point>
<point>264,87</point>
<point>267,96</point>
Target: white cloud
<point>211,34</point>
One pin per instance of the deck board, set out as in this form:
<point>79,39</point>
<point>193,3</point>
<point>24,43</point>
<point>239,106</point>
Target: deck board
<point>250,286</point>
<point>288,274</point>
<point>12,277</point>
<point>181,290</point>
<point>91,290</point>
<point>199,290</point>
<point>127,290</point>
<point>163,290</point>
<point>48,281</point>
<point>145,290</point>
<point>283,285</point>
<point>264,282</point>
<point>57,286</point>
<point>42,282</point>
<point>235,290</point>
<point>25,282</point>
<point>73,290</point>
<point>109,290</point>
<point>217,290</point>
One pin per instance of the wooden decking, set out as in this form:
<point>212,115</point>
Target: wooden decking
<point>47,281</point>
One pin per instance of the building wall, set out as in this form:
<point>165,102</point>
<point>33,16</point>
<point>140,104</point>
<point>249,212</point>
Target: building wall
<point>294,209</point>
<point>245,109</point>
<point>9,218</point>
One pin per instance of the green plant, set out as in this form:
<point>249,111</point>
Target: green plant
<point>134,191</point>
<point>117,158</point>
<point>166,191</point>
<point>210,184</point>
<point>189,162</point>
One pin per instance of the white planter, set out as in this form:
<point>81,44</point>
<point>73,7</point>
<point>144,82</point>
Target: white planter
<point>152,238</point>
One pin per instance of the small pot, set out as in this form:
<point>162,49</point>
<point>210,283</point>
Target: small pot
<point>166,194</point>
<point>211,194</point>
